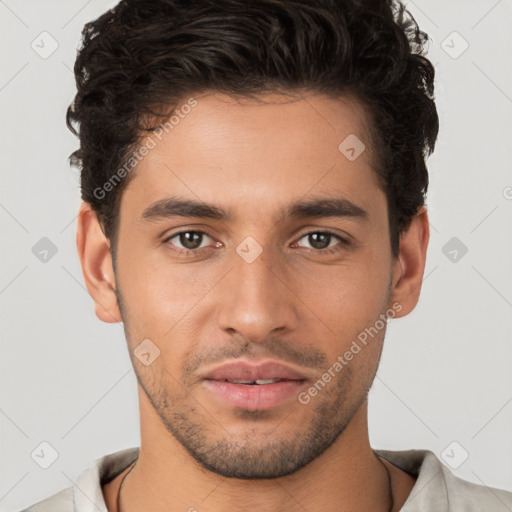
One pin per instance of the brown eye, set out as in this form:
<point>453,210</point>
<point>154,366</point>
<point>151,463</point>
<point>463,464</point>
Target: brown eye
<point>319,240</point>
<point>189,240</point>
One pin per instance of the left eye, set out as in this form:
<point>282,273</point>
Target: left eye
<point>319,240</point>
<point>190,240</point>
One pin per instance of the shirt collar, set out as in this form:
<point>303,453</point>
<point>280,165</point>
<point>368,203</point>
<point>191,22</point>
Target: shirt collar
<point>429,489</point>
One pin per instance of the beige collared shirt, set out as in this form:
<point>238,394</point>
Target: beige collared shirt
<point>436,488</point>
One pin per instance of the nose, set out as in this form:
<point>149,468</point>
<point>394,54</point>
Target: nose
<point>257,298</point>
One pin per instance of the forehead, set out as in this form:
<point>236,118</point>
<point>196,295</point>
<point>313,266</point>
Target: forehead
<point>258,154</point>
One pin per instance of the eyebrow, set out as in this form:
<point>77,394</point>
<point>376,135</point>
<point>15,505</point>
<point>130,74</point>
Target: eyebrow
<point>339,207</point>
<point>175,207</point>
<point>321,207</point>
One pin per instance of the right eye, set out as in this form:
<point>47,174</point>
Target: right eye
<point>189,240</point>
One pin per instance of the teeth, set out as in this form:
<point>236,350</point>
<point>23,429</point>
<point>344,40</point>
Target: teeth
<point>258,381</point>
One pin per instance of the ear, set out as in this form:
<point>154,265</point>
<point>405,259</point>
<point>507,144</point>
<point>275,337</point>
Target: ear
<point>96,260</point>
<point>409,266</point>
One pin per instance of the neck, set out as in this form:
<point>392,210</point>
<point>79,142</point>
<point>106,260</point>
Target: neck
<point>348,476</point>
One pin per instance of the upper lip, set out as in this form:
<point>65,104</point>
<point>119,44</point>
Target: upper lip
<point>245,370</point>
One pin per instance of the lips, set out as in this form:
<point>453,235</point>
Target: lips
<point>259,382</point>
<point>253,386</point>
<point>252,372</point>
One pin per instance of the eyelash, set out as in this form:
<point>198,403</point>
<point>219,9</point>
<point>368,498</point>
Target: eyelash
<point>193,252</point>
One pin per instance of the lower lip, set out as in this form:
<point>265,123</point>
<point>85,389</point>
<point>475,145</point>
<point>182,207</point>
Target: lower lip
<point>255,397</point>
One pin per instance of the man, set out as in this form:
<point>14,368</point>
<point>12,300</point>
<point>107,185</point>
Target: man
<point>253,177</point>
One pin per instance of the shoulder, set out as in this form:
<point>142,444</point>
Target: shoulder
<point>61,501</point>
<point>472,497</point>
<point>437,488</point>
<point>89,485</point>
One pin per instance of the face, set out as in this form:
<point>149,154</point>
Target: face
<point>253,253</point>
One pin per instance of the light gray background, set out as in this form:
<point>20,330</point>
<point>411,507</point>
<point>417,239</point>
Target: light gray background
<point>445,373</point>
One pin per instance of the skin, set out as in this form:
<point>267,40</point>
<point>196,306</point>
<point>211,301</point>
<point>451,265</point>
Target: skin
<point>295,303</point>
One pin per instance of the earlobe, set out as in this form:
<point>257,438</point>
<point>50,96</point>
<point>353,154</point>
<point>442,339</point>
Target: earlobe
<point>409,267</point>
<point>96,261</point>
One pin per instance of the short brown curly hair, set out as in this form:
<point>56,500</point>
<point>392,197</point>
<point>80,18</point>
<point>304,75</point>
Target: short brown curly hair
<point>141,57</point>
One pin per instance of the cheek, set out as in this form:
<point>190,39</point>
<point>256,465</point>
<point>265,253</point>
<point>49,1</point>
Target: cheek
<point>345,298</point>
<point>161,296</point>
